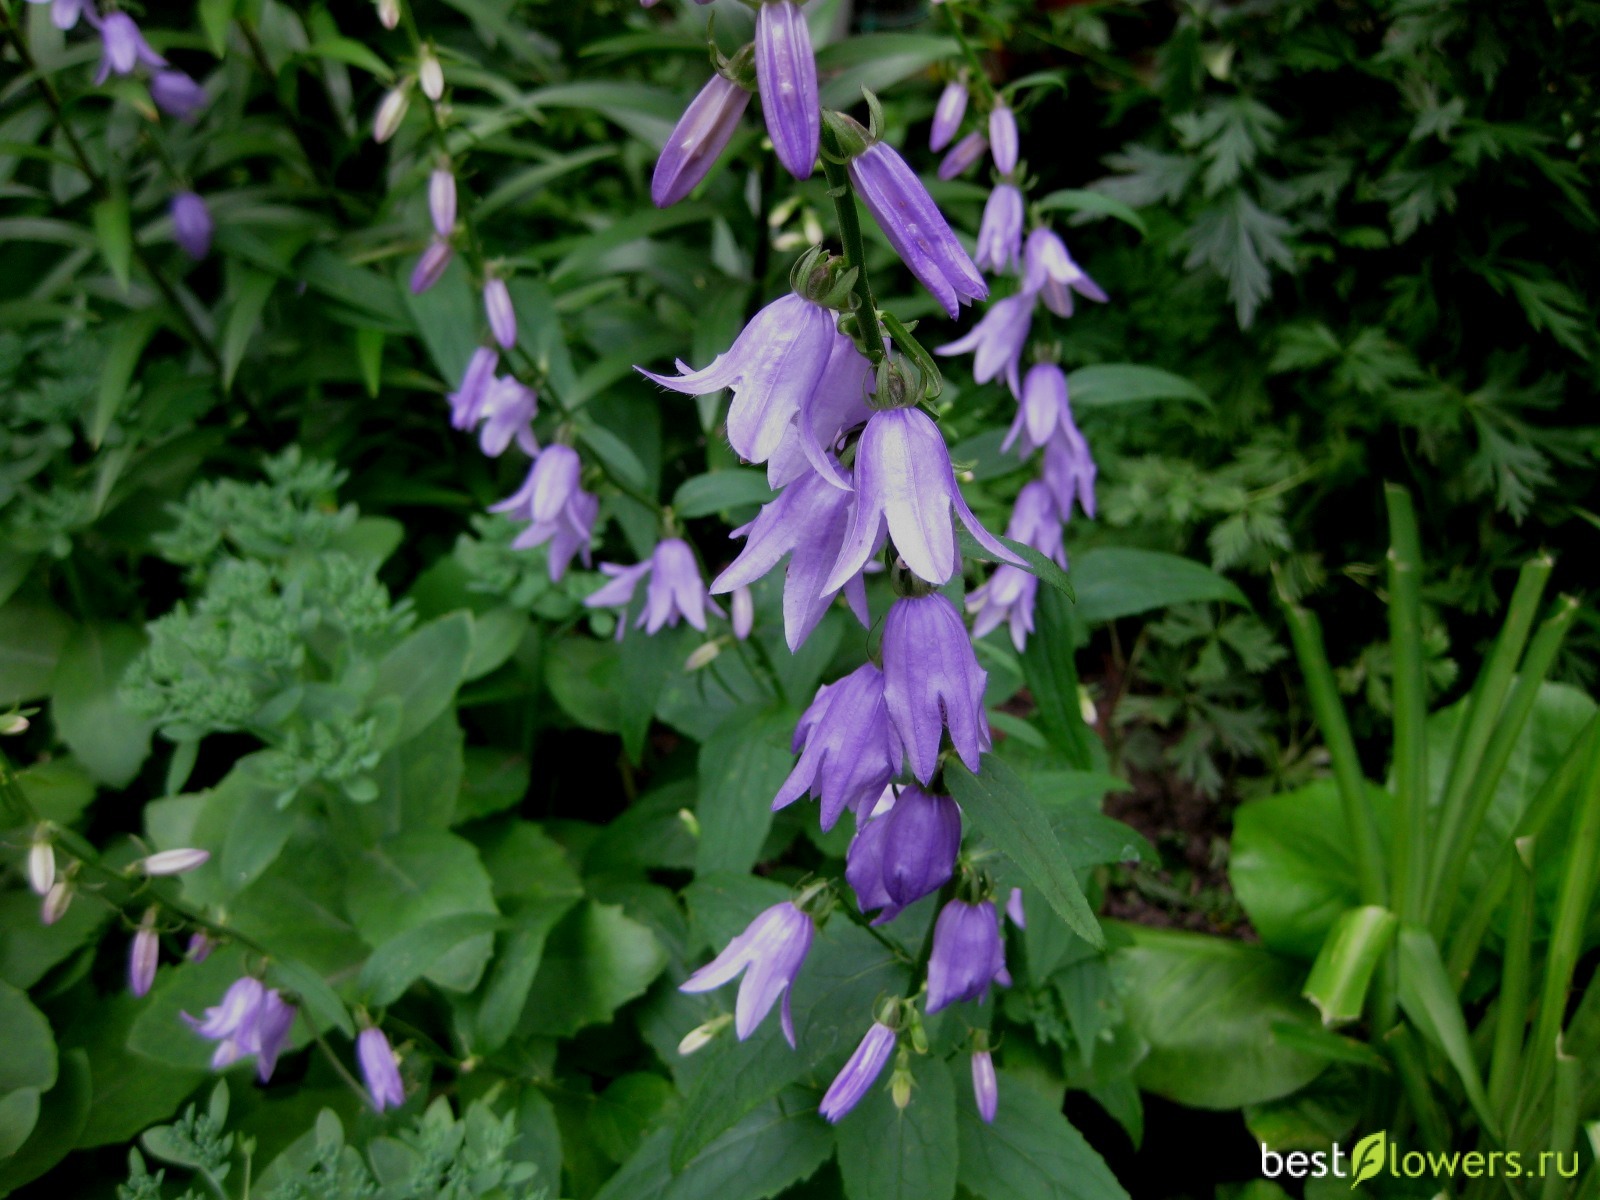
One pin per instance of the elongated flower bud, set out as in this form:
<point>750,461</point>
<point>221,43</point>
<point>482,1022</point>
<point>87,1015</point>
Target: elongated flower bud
<point>174,862</point>
<point>430,74</point>
<point>1003,139</point>
<point>55,903</point>
<point>389,13</point>
<point>786,73</point>
<point>744,612</point>
<point>380,1070</point>
<point>430,267</point>
<point>42,867</point>
<point>859,1074</point>
<point>391,112</point>
<point>192,226</point>
<point>985,1089</point>
<point>176,94</point>
<point>962,155</point>
<point>143,955</point>
<point>502,317</point>
<point>947,116</point>
<point>702,133</point>
<point>442,201</point>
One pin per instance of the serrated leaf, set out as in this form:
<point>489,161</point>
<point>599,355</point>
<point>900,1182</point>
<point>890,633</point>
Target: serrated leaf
<point>889,1153</point>
<point>406,957</point>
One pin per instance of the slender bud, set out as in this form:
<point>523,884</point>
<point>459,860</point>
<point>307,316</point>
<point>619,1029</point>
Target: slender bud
<point>200,946</point>
<point>389,13</point>
<point>1003,139</point>
<point>14,724</point>
<point>56,902</point>
<point>985,1089</point>
<point>702,1036</point>
<point>900,1082</point>
<point>1086,706</point>
<point>430,74</point>
<point>391,112</point>
<point>41,866</point>
<point>702,656</point>
<point>502,317</point>
<point>174,862</point>
<point>143,955</point>
<point>744,612</point>
<point>430,267</point>
<point>442,201</point>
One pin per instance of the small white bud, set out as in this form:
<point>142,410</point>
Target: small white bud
<point>1086,706</point>
<point>41,867</point>
<point>56,902</point>
<point>430,74</point>
<point>389,13</point>
<point>391,112</point>
<point>702,656</point>
<point>14,724</point>
<point>174,862</point>
<point>702,1036</point>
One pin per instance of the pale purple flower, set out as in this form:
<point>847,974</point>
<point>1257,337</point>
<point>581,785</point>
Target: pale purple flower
<point>466,402</point>
<point>507,413</point>
<point>786,74</point>
<point>192,226</point>
<point>770,951</point>
<point>676,591</point>
<point>743,610</point>
<point>442,201</point>
<point>551,484</point>
<point>231,1024</point>
<point>1008,596</point>
<point>199,946</point>
<point>902,855</point>
<point>848,751</point>
<point>947,114</point>
<point>904,482</point>
<point>1069,471</point>
<point>1043,410</point>
<point>274,1019</point>
<point>143,955</point>
<point>1000,234</point>
<point>985,1090</point>
<point>1051,273</point>
<point>773,367</point>
<point>431,266</point>
<point>502,317</point>
<point>623,582</point>
<point>915,227</point>
<point>997,341</point>
<point>174,862</point>
<point>379,1069</point>
<point>176,94</point>
<point>64,14</point>
<point>839,402</point>
<point>122,48</point>
<point>807,522</point>
<point>962,156</point>
<point>932,682</point>
<point>1003,138</point>
<point>1014,909</point>
<point>1036,522</point>
<point>568,535</point>
<point>968,954</point>
<point>699,137</point>
<point>859,1074</point>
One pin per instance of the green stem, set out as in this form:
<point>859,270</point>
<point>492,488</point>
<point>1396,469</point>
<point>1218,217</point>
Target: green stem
<point>979,76</point>
<point>1410,696</point>
<point>1511,1018</point>
<point>855,253</point>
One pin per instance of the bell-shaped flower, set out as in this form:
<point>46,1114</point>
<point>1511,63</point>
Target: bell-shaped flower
<point>786,73</point>
<point>904,482</point>
<point>1069,471</point>
<point>902,855</point>
<point>839,402</point>
<point>676,591</point>
<point>507,412</point>
<point>915,227</point>
<point>985,1088</point>
<point>502,317</point>
<point>997,341</point>
<point>1051,273</point>
<point>251,1019</point>
<point>176,94</point>
<point>932,683</point>
<point>968,954</point>
<point>848,752</point>
<point>568,533</point>
<point>962,156</point>
<point>192,225</point>
<point>1003,138</point>
<point>466,402</point>
<point>273,1022</point>
<point>699,137</point>
<point>773,367</point>
<point>1036,522</point>
<point>1043,410</point>
<point>770,951</point>
<point>1009,597</point>
<point>551,484</point>
<point>380,1069</point>
<point>947,115</point>
<point>122,48</point>
<point>859,1074</point>
<point>1000,233</point>
<point>807,522</point>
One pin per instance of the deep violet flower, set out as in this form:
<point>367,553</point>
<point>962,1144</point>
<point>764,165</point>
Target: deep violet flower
<point>996,342</point>
<point>1051,273</point>
<point>947,115</point>
<point>502,317</point>
<point>968,954</point>
<point>859,1074</point>
<point>770,951</point>
<point>122,48</point>
<point>192,226</point>
<point>1003,138</point>
<point>932,683</point>
<point>786,73</point>
<point>848,751</point>
<point>699,137</point>
<point>962,156</point>
<point>904,854</point>
<point>379,1069</point>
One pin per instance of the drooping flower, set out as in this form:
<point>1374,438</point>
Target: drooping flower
<point>568,535</point>
<point>233,1023</point>
<point>64,14</point>
<point>807,522</point>
<point>466,402</point>
<point>947,114</point>
<point>786,73</point>
<point>932,683</point>
<point>996,342</point>
<point>1069,471</point>
<point>915,227</point>
<point>985,1089</point>
<point>551,484</point>
<point>174,862</point>
<point>839,402</point>
<point>770,951</point>
<point>176,94</point>
<point>1000,233</point>
<point>962,156</point>
<point>431,266</point>
<point>773,367</point>
<point>442,201</point>
<point>1011,592</point>
<point>1043,410</point>
<point>847,749</point>
<point>122,48</point>
<point>199,947</point>
<point>904,482</point>
<point>1003,138</point>
<point>1036,522</point>
<point>968,954</point>
<point>192,226</point>
<point>273,1022</point>
<point>1014,909</point>
<point>902,855</point>
<point>507,413</point>
<point>502,317</point>
<point>859,1074</point>
<point>699,137</point>
<point>143,955</point>
<point>1051,273</point>
<point>676,591</point>
<point>379,1069</point>
<point>623,582</point>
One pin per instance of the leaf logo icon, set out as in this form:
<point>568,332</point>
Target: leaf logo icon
<point>1368,1157</point>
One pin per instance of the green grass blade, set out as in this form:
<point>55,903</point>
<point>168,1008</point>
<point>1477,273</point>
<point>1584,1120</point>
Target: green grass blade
<point>1511,1014</point>
<point>1410,841</point>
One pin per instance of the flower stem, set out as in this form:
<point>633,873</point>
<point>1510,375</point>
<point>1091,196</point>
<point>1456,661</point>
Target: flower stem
<point>855,254</point>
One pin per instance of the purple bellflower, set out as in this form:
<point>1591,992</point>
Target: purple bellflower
<point>379,1069</point>
<point>250,1020</point>
<point>996,342</point>
<point>847,748</point>
<point>773,948</point>
<point>786,73</point>
<point>1069,471</point>
<point>839,402</point>
<point>1043,410</point>
<point>773,367</point>
<point>466,402</point>
<point>962,156</point>
<point>915,227</point>
<point>176,94</point>
<point>1053,275</point>
<point>902,855</point>
<point>904,482</point>
<point>1000,234</point>
<point>551,484</point>
<point>122,48</point>
<point>932,682</point>
<point>807,522</point>
<point>143,955</point>
<point>859,1074</point>
<point>64,14</point>
<point>192,226</point>
<point>675,593</point>
<point>1003,138</point>
<point>968,954</point>
<point>431,266</point>
<point>700,136</point>
<point>947,115</point>
<point>1011,592</point>
<point>568,534</point>
<point>985,1089</point>
<point>502,317</point>
<point>507,414</point>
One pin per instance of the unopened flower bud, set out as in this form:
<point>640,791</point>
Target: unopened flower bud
<point>502,316</point>
<point>703,656</point>
<point>430,266</point>
<point>143,955</point>
<point>442,201</point>
<point>389,13</point>
<point>200,946</point>
<point>391,112</point>
<point>14,724</point>
<point>702,1036</point>
<point>174,862</point>
<point>900,1082</point>
<point>744,612</point>
<point>430,74</point>
<point>56,902</point>
<point>1086,706</point>
<point>41,866</point>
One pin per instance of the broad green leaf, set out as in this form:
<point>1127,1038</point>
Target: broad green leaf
<point>29,948</point>
<point>1427,997</point>
<point>614,454</point>
<point>584,675</point>
<point>63,1112</point>
<point>1031,1152</point>
<point>354,53</point>
<point>126,346</point>
<point>627,1110</point>
<point>877,61</point>
<point>1343,971</point>
<point>425,670</point>
<point>447,318</point>
<point>1115,581</point>
<point>19,1113</point>
<point>113,231</point>
<point>31,637</point>
<point>999,804</point>
<point>29,1060</point>
<point>312,992</point>
<point>1050,668</point>
<point>1092,204</point>
<point>742,766</point>
<point>515,966</point>
<point>406,957</point>
<point>648,660</point>
<point>253,290</point>
<point>719,491</point>
<point>215,17</point>
<point>1207,1006</point>
<point>87,709</point>
<point>595,961</point>
<point>1105,384</point>
<point>887,1153</point>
